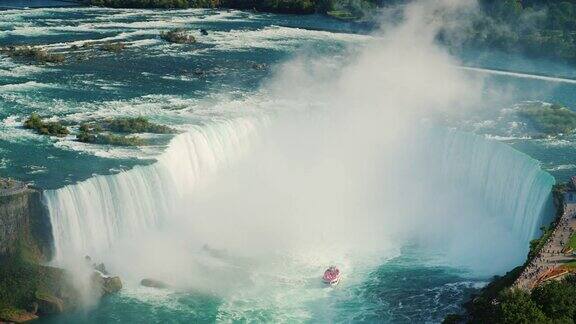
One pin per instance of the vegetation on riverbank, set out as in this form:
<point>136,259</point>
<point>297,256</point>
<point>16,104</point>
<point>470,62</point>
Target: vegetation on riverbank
<point>29,290</point>
<point>18,283</point>
<point>537,244</point>
<point>36,123</point>
<point>291,6</point>
<point>480,308</point>
<point>572,242</point>
<point>351,8</point>
<point>540,28</point>
<point>552,302</point>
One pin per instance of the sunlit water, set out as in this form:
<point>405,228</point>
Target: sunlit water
<point>210,92</point>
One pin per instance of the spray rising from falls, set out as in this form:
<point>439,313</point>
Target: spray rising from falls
<point>323,173</point>
<point>88,217</point>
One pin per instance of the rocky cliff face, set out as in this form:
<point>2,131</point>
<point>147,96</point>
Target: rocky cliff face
<point>28,288</point>
<point>23,220</point>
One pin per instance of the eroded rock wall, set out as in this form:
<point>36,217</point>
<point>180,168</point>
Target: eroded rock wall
<point>23,220</point>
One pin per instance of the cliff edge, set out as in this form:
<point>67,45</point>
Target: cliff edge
<point>23,221</point>
<point>28,287</point>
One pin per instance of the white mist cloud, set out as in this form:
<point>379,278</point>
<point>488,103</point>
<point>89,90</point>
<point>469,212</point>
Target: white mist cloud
<point>341,173</point>
<point>347,174</point>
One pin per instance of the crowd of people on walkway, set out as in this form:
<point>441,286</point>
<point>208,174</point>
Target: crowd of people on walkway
<point>566,229</point>
<point>551,255</point>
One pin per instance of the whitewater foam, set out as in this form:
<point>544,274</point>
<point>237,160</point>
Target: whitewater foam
<point>9,68</point>
<point>276,37</point>
<point>561,167</point>
<point>25,86</point>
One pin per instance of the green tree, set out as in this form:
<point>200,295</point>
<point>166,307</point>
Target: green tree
<point>556,299</point>
<point>516,307</point>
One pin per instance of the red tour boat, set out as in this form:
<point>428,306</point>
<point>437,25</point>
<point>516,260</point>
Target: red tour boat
<point>331,276</point>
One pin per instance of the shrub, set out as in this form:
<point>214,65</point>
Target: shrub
<point>538,243</point>
<point>557,299</point>
<point>517,307</point>
<point>110,139</point>
<point>86,137</point>
<point>91,133</point>
<point>18,282</point>
<point>136,125</point>
<point>36,123</point>
<point>119,140</point>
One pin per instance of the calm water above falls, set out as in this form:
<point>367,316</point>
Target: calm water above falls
<point>211,92</point>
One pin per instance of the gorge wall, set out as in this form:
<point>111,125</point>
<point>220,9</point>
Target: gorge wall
<point>23,220</point>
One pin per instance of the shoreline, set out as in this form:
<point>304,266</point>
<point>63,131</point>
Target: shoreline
<point>40,5</point>
<point>547,263</point>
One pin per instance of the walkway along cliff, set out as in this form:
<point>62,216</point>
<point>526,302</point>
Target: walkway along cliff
<point>533,291</point>
<point>554,257</point>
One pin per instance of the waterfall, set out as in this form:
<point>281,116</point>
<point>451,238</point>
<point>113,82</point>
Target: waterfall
<point>510,183</point>
<point>89,216</point>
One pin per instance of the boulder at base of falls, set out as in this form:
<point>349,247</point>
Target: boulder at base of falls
<point>105,285</point>
<point>153,283</point>
<point>112,285</point>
